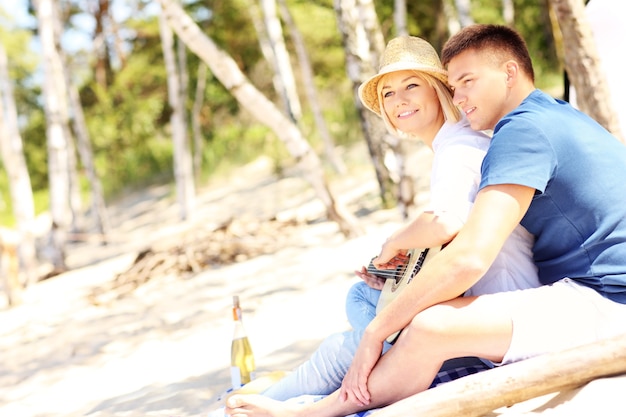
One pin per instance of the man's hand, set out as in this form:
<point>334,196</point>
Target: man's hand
<point>354,385</point>
<point>390,258</point>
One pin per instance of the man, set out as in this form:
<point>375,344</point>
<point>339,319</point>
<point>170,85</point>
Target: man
<point>551,168</point>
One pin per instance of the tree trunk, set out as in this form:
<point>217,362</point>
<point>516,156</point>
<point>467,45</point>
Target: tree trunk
<point>182,153</point>
<point>508,12</point>
<point>226,70</point>
<point>362,59</point>
<point>451,17</point>
<point>185,156</point>
<point>12,155</point>
<point>75,198</point>
<point>118,42</point>
<point>308,80</point>
<point>198,102</point>
<point>399,17</point>
<point>58,154</point>
<point>98,206</point>
<point>464,10</point>
<point>582,64</point>
<point>283,63</point>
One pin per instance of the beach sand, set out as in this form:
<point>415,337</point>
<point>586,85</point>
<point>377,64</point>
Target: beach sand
<point>164,350</point>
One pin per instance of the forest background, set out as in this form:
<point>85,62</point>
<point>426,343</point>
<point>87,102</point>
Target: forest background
<point>110,108</point>
<point>105,97</point>
<point>116,60</point>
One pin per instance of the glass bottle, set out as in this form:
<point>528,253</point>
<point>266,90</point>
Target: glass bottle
<point>241,357</point>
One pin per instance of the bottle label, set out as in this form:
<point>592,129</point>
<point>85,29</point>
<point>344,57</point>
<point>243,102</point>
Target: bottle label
<point>235,377</point>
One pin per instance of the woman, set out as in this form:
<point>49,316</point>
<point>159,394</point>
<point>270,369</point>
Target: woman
<point>411,94</point>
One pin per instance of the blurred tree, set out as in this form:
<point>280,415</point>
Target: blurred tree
<point>183,168</point>
<point>282,62</point>
<point>127,118</point>
<point>126,108</point>
<point>308,80</point>
<point>12,156</point>
<point>508,12</point>
<point>583,64</point>
<point>363,45</point>
<point>81,133</point>
<point>55,103</point>
<point>102,67</point>
<point>399,18</point>
<point>85,150</point>
<point>196,128</point>
<point>226,70</point>
<point>464,8</point>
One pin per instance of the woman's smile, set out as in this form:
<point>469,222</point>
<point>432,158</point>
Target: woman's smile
<point>406,114</point>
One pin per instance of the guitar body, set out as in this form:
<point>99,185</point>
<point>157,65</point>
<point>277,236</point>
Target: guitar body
<point>403,275</point>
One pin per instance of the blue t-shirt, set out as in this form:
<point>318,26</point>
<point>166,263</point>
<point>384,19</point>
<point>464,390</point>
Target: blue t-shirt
<point>578,169</point>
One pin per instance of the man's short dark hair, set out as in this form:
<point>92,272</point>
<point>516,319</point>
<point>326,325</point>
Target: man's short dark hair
<point>501,42</point>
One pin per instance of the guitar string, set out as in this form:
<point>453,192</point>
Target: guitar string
<point>388,273</point>
<point>395,273</point>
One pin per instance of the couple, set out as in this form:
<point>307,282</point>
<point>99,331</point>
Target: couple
<point>548,167</point>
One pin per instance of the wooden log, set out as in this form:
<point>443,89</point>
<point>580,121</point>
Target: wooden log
<point>479,394</point>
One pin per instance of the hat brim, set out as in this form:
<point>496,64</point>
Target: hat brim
<point>368,90</point>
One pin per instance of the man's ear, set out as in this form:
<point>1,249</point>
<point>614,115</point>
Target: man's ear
<point>512,70</point>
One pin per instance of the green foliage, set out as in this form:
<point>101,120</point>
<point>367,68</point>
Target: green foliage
<point>534,24</point>
<point>231,28</point>
<point>532,21</point>
<point>128,118</point>
<point>235,145</point>
<point>137,167</point>
<point>35,149</point>
<point>318,26</point>
<point>22,64</point>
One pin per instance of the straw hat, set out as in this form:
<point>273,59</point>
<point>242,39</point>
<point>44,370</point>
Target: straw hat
<point>402,53</point>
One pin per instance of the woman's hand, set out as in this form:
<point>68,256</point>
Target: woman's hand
<point>371,280</point>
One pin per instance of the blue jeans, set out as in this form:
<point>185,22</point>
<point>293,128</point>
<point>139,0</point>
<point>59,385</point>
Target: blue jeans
<point>323,373</point>
<point>361,305</point>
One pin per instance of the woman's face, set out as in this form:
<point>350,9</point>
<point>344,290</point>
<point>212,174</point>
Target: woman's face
<point>411,104</point>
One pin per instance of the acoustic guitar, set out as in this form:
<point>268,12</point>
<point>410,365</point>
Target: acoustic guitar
<point>397,279</point>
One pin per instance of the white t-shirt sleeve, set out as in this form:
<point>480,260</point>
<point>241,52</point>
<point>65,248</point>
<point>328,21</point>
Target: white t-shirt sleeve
<point>455,178</point>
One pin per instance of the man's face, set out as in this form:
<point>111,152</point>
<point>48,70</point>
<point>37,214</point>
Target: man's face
<point>480,88</point>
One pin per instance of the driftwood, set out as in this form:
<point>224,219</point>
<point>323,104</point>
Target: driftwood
<point>480,394</point>
<point>199,249</point>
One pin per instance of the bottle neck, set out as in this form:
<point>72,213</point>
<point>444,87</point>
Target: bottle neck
<point>239,331</point>
<point>237,313</point>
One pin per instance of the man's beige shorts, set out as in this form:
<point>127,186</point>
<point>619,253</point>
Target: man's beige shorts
<point>558,317</point>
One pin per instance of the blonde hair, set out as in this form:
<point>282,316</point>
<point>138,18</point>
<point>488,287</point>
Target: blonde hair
<point>451,113</point>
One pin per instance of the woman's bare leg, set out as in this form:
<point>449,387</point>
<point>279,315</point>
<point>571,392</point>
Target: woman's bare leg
<point>466,326</point>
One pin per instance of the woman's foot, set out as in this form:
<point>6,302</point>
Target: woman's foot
<point>253,405</point>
